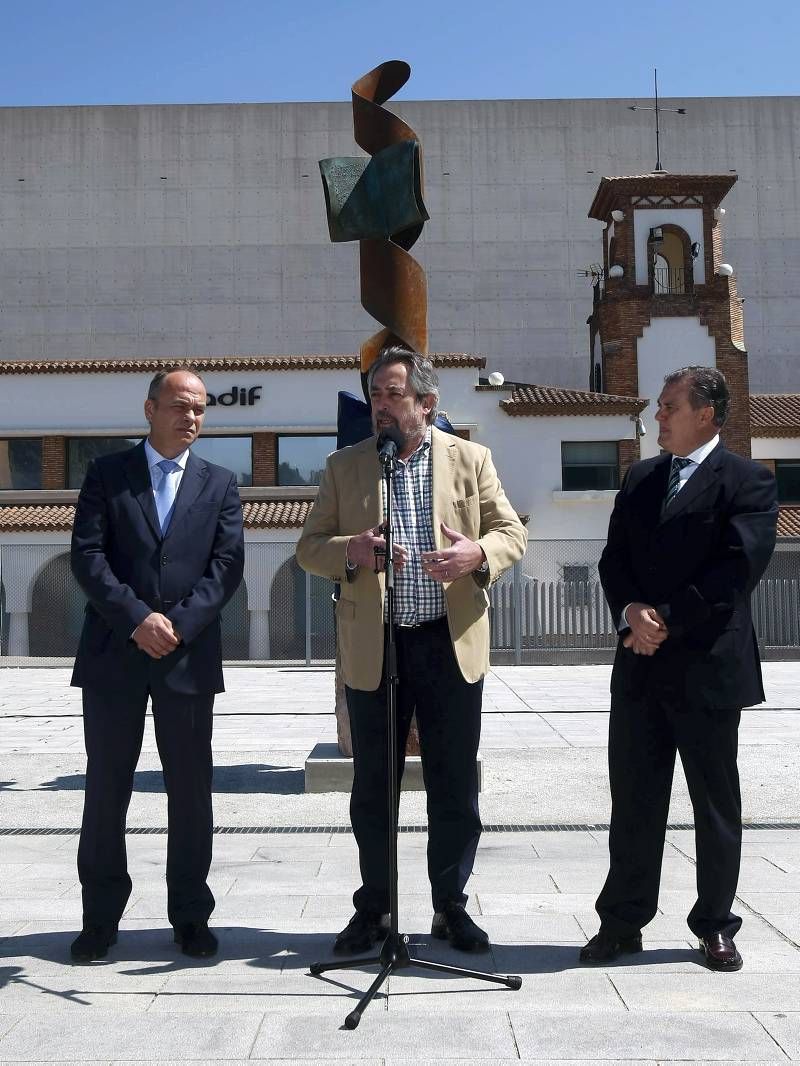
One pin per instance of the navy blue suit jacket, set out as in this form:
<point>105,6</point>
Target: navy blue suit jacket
<point>127,570</point>
<point>697,562</point>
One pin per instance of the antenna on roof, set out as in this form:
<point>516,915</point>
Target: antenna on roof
<point>658,110</point>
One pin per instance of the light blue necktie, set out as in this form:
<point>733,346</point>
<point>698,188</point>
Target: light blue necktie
<point>165,491</point>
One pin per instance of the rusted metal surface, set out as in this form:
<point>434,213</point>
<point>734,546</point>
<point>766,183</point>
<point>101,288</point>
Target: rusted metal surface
<point>379,202</point>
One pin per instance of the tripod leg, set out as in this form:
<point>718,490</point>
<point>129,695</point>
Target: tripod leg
<point>509,980</point>
<point>317,968</point>
<point>354,1017</point>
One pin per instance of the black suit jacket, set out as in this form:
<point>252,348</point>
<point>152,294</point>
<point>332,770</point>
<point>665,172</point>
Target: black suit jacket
<point>697,562</point>
<point>127,569</point>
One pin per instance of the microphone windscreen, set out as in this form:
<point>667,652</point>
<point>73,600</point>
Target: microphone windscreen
<point>392,434</point>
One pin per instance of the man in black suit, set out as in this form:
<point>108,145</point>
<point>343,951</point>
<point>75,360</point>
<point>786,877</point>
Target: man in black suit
<point>691,533</point>
<point>158,548</point>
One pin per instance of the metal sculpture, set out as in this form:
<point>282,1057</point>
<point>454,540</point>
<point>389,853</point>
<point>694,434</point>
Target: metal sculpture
<point>379,202</point>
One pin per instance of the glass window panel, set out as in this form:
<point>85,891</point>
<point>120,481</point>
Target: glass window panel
<point>81,451</point>
<point>787,474</point>
<point>589,451</point>
<point>301,460</point>
<point>589,465</point>
<point>234,453</point>
<point>20,464</point>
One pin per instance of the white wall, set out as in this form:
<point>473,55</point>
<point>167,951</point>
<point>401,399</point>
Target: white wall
<point>776,447</point>
<point>666,345</point>
<point>688,218</point>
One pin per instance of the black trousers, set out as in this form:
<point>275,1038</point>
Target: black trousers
<point>448,710</point>
<point>644,736</point>
<point>113,725</point>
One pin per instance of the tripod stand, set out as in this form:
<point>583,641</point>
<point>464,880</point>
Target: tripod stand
<point>394,952</point>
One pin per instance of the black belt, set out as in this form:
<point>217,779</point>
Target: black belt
<point>404,627</point>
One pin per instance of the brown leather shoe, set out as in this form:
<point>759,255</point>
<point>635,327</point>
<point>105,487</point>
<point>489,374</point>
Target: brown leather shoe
<point>720,952</point>
<point>605,947</point>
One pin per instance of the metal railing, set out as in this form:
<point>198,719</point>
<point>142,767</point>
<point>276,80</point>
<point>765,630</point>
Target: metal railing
<point>669,280</point>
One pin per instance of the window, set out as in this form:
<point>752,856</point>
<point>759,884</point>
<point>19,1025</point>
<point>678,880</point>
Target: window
<point>787,474</point>
<point>234,453</point>
<point>81,451</point>
<point>589,465</point>
<point>301,460</point>
<point>20,464</point>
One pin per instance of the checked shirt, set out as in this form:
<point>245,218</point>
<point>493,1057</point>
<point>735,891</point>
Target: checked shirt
<point>417,597</point>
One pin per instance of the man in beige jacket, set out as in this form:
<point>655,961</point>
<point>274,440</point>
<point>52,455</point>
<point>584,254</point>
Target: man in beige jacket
<point>455,533</point>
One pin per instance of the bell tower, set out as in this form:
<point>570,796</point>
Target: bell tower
<point>666,298</point>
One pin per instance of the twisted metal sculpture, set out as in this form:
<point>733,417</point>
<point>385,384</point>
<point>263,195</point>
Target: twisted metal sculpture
<point>379,202</point>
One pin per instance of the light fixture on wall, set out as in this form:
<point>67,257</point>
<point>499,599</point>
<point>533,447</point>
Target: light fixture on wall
<point>639,428</point>
<point>656,235</point>
<point>725,270</point>
<point>496,378</point>
<point>695,249</point>
<point>616,271</point>
<point>617,215</point>
<point>719,213</point>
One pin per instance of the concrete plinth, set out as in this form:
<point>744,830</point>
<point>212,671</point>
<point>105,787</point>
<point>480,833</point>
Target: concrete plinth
<point>329,771</point>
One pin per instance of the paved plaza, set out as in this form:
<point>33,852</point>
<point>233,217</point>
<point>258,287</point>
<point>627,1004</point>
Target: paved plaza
<point>285,866</point>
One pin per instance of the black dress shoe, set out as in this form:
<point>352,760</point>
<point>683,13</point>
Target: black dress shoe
<point>363,930</point>
<point>454,924</point>
<point>605,947</point>
<point>720,952</point>
<point>92,943</point>
<point>196,940</point>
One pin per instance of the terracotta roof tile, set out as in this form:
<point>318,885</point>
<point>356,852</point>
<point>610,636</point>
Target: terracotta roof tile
<point>50,518</point>
<point>789,522</point>
<point>774,415</point>
<point>549,400</point>
<point>217,363</point>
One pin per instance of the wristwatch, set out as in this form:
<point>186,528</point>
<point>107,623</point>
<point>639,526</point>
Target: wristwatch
<point>483,568</point>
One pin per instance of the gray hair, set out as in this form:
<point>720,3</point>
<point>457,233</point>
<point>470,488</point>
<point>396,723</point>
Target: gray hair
<point>422,378</point>
<point>707,388</point>
<point>154,388</point>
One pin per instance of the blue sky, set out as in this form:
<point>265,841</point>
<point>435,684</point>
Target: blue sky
<point>199,51</point>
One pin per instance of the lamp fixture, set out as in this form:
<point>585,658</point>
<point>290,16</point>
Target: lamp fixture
<point>719,213</point>
<point>616,271</point>
<point>695,249</point>
<point>496,378</point>
<point>656,234</point>
<point>617,215</point>
<point>725,270</point>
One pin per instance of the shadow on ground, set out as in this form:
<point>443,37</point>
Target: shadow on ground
<point>242,778</point>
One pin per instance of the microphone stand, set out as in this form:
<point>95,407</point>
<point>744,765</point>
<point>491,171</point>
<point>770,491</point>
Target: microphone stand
<point>394,952</point>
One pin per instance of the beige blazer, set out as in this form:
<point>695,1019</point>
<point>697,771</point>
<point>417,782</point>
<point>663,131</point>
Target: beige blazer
<point>467,496</point>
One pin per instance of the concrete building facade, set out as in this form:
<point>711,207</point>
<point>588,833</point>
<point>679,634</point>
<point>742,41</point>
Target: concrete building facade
<point>175,231</point>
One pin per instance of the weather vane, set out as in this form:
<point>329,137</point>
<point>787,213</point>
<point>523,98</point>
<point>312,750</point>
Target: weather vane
<point>658,110</point>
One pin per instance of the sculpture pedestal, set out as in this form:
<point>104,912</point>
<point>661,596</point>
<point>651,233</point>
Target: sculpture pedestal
<point>327,770</point>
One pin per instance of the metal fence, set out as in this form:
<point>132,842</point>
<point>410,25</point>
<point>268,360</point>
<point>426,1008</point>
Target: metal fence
<point>549,608</point>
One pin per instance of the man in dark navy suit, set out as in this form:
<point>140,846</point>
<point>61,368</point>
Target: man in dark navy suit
<point>158,548</point>
<point>691,533</point>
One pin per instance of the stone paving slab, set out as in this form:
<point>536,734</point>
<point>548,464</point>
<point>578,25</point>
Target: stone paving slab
<point>282,897</point>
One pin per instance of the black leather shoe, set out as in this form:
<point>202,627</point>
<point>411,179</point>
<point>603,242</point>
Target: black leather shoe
<point>605,947</point>
<point>720,952</point>
<point>454,924</point>
<point>92,943</point>
<point>363,930</point>
<point>196,940</point>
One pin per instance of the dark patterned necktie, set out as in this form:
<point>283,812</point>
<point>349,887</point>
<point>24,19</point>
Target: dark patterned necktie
<point>678,463</point>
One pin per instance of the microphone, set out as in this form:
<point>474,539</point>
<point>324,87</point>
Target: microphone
<point>390,441</point>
